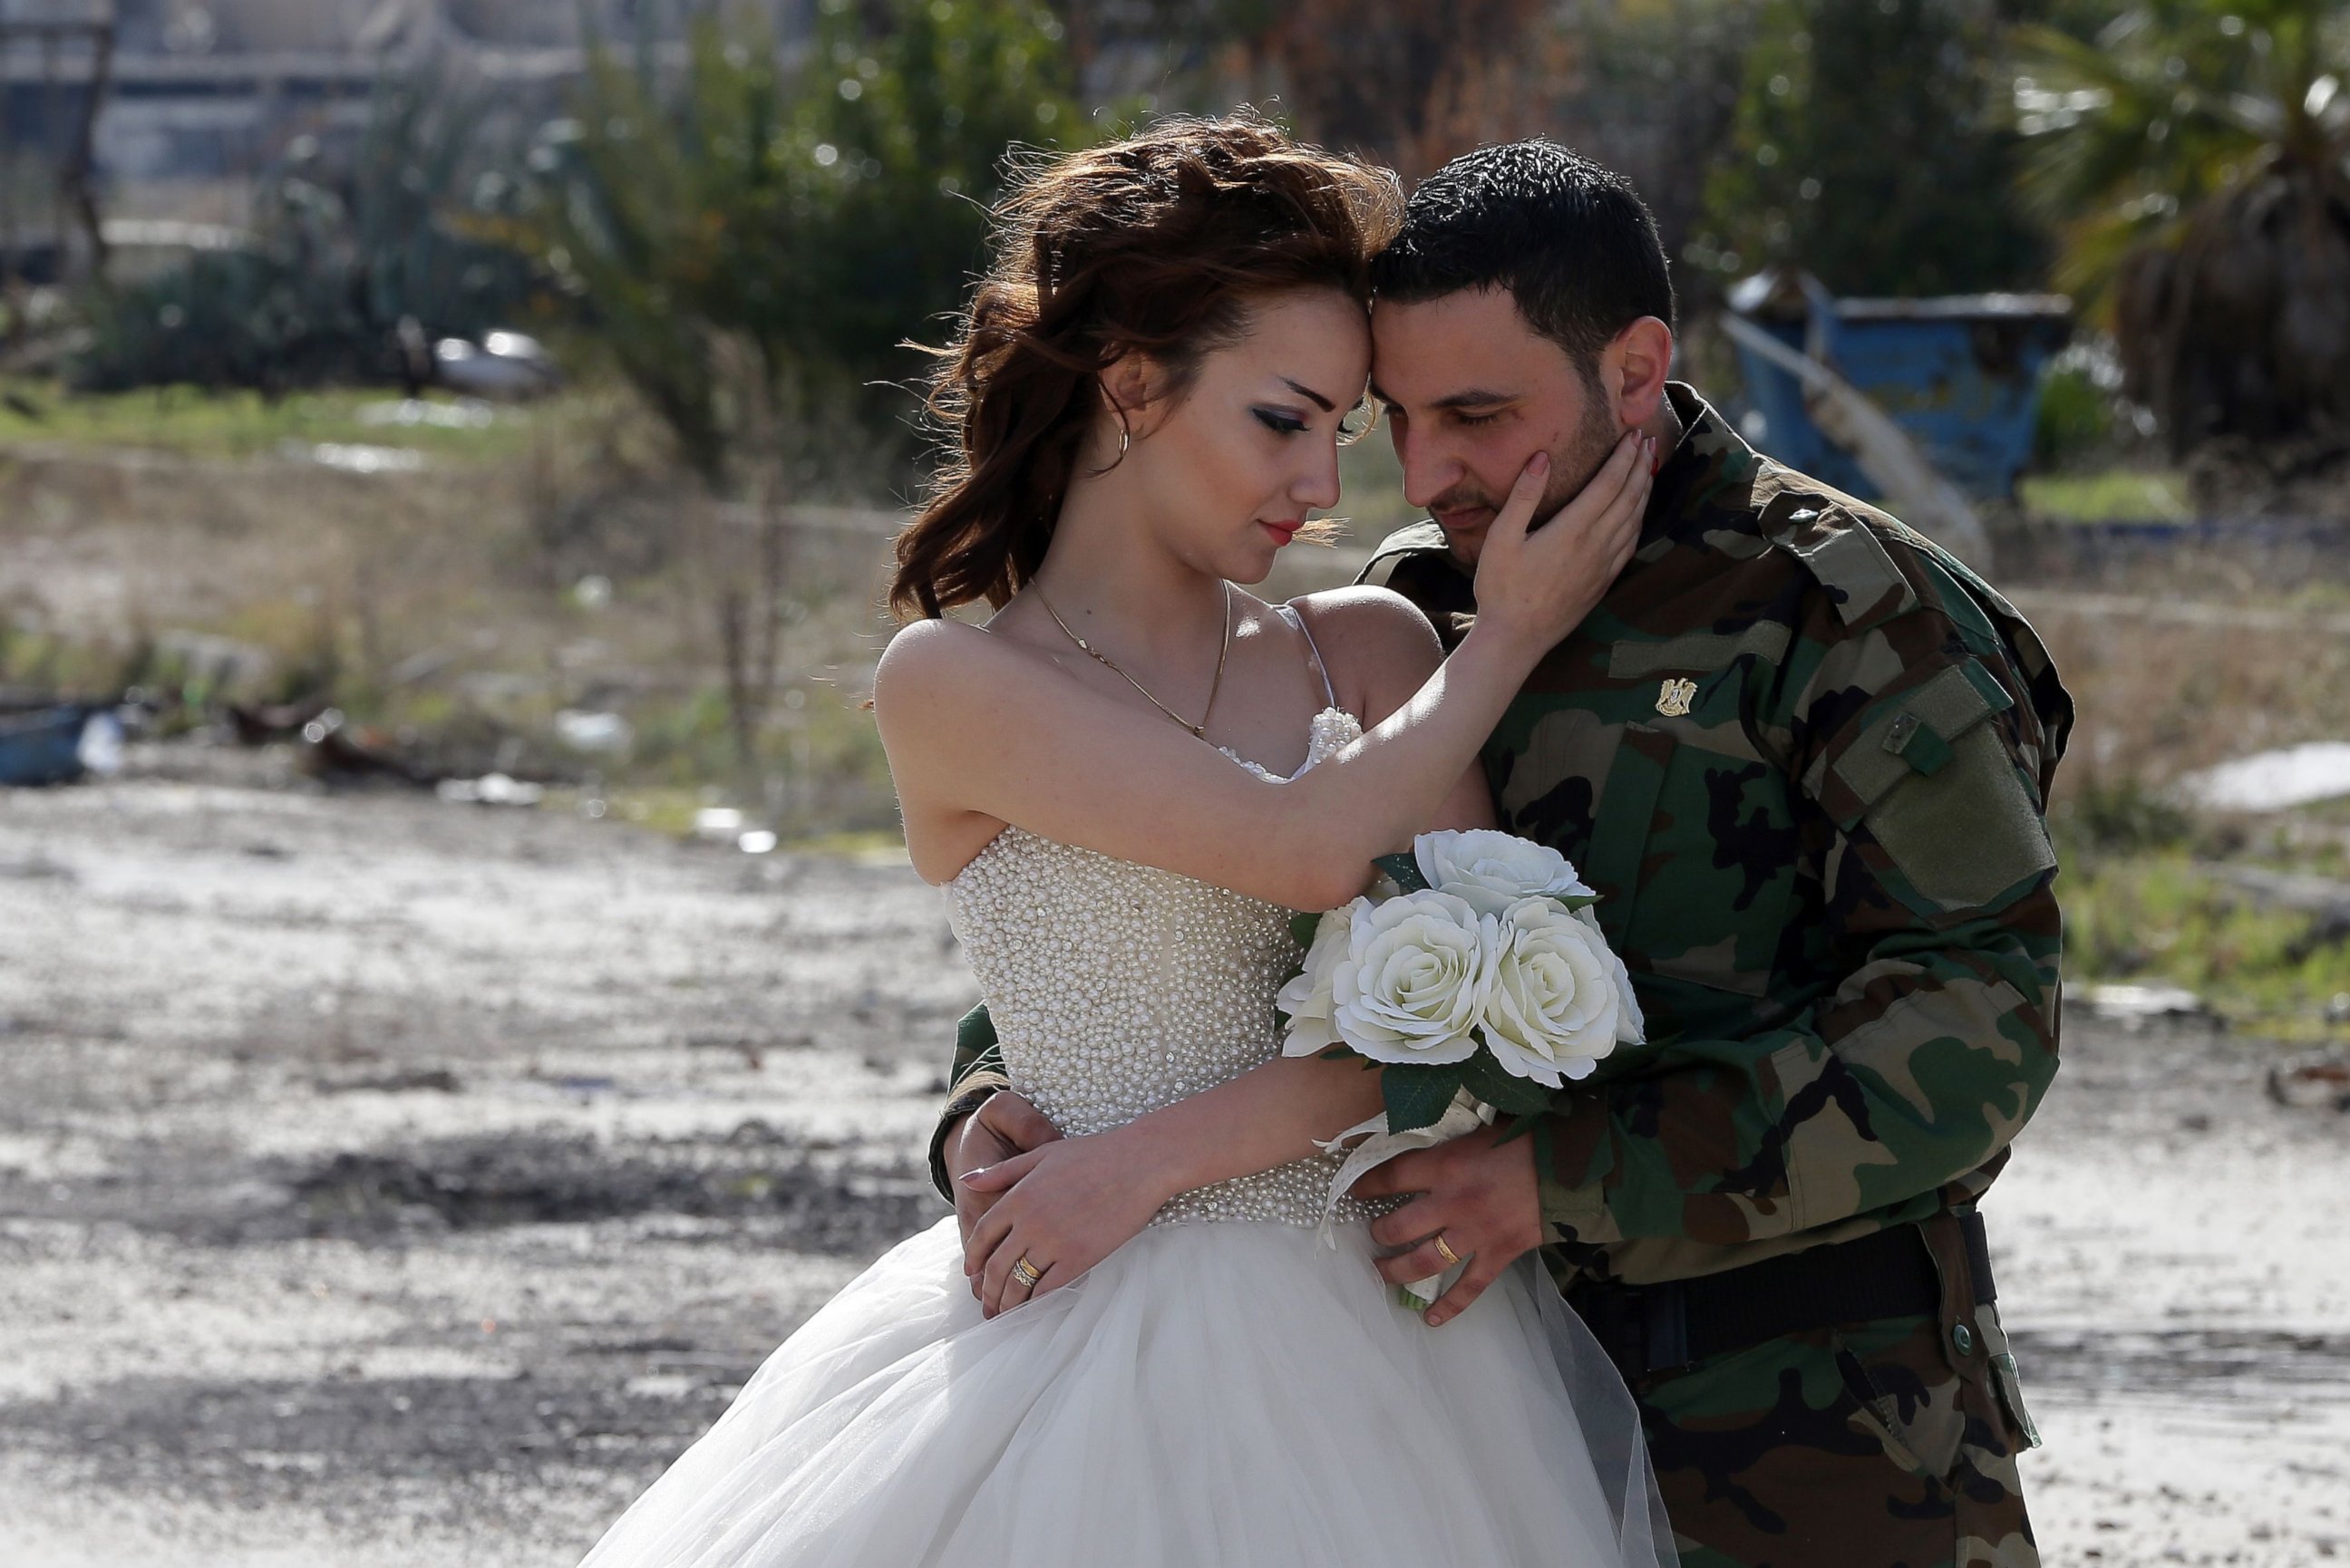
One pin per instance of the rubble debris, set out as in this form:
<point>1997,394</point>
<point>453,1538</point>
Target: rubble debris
<point>259,724</point>
<point>2139,1004</point>
<point>419,1080</point>
<point>354,457</point>
<point>502,365</point>
<point>465,414</point>
<point>2274,781</point>
<point>2318,1079</point>
<point>490,789</point>
<point>334,748</point>
<point>584,729</point>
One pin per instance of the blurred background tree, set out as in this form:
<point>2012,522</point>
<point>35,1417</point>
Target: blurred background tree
<point>819,220</point>
<point>1411,82</point>
<point>754,246</point>
<point>343,252</point>
<point>2194,156</point>
<point>1868,147</point>
<point>1656,94</point>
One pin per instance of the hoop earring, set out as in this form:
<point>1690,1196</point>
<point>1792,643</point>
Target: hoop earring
<point>1124,440</point>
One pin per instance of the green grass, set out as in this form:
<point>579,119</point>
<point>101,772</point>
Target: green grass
<point>868,845</point>
<point>2162,916</point>
<point>195,422</point>
<point>2116,495</point>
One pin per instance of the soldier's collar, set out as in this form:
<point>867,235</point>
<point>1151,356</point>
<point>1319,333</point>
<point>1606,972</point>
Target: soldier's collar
<point>1708,448</point>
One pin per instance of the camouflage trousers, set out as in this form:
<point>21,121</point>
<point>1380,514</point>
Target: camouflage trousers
<point>1884,1445</point>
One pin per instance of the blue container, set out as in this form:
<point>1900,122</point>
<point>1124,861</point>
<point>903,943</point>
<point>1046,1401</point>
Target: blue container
<point>42,747</point>
<point>1960,375</point>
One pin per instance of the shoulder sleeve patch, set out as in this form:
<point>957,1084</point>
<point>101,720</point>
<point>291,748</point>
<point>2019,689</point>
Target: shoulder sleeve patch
<point>1969,835</point>
<point>1914,732</point>
<point>1930,777</point>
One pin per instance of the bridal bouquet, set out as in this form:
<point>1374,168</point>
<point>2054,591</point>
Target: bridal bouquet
<point>1474,973</point>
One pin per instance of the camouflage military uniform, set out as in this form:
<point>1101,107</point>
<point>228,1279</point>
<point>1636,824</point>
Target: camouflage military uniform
<point>1801,754</point>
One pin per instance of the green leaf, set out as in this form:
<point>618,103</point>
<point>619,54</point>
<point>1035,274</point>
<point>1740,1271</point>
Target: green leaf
<point>1302,928</point>
<point>1404,869</point>
<point>1486,1078</point>
<point>1334,1053</point>
<point>1579,901</point>
<point>1417,1095</point>
<point>1524,1126</point>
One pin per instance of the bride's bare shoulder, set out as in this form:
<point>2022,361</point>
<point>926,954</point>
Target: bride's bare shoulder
<point>929,662</point>
<point>1372,640</point>
<point>1375,644</point>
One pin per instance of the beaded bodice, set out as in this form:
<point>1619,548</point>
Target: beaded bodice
<point>1117,989</point>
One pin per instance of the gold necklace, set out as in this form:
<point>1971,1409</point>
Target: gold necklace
<point>1200,729</point>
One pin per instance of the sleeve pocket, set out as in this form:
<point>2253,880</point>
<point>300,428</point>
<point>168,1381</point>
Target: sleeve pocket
<point>1932,778</point>
<point>1969,834</point>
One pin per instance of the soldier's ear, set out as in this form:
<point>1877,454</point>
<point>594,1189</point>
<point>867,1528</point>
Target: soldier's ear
<point>1639,361</point>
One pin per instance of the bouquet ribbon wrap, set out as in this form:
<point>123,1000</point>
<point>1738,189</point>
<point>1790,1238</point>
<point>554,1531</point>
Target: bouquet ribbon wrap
<point>1376,1146</point>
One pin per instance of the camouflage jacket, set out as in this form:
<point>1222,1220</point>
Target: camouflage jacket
<point>1803,754</point>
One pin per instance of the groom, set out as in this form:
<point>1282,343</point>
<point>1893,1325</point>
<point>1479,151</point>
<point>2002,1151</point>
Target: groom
<point>1804,756</point>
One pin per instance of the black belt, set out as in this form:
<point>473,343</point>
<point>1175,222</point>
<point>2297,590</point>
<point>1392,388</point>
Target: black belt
<point>1649,1329</point>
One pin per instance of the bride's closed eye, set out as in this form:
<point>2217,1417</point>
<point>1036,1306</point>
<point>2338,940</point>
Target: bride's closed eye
<point>1280,421</point>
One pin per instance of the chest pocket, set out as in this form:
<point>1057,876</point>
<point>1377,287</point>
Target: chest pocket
<point>1693,840</point>
<point>1695,851</point>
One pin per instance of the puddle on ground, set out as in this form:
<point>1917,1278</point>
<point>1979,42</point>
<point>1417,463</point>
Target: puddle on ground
<point>474,1184</point>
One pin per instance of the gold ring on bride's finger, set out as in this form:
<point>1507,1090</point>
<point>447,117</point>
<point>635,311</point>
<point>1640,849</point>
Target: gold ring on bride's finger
<point>1444,1251</point>
<point>1025,1272</point>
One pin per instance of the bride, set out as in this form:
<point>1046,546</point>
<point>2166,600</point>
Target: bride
<point>1149,1352</point>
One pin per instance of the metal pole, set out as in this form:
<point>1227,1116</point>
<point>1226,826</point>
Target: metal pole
<point>80,162</point>
<point>8,184</point>
<point>47,162</point>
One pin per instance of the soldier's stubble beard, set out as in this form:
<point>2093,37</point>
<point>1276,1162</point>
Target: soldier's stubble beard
<point>1572,466</point>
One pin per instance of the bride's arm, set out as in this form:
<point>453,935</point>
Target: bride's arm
<point>979,730</point>
<point>1099,1191</point>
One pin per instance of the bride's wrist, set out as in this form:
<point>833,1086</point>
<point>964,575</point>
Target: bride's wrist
<point>1517,644</point>
<point>1153,1161</point>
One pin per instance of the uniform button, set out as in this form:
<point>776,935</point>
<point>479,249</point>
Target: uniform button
<point>1964,1338</point>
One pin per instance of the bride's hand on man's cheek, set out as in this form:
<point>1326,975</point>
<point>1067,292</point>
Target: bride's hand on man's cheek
<point>1062,1208</point>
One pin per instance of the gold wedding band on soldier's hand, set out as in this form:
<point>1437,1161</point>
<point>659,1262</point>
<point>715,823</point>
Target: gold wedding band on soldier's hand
<point>1025,1272</point>
<point>1444,1251</point>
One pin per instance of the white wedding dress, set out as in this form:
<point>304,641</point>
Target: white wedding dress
<point>1226,1390</point>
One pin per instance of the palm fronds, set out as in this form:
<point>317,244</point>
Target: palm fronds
<point>2194,158</point>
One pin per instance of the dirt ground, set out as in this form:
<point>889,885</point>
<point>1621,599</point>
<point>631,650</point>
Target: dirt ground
<point>385,1181</point>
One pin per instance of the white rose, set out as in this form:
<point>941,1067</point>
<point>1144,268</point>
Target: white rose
<point>1413,979</point>
<point>1493,870</point>
<point>1308,996</point>
<point>1555,1006</point>
<point>1631,1028</point>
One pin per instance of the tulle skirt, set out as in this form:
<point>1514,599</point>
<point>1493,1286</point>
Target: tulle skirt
<point>1212,1395</point>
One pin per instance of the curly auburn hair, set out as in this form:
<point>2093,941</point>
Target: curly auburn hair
<point>1154,244</point>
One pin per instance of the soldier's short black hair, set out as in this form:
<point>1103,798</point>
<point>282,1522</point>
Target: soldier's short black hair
<point>1571,241</point>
